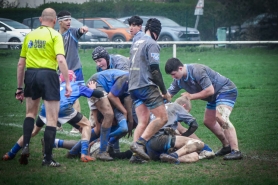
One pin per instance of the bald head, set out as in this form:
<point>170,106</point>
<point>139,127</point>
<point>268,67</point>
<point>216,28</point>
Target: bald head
<point>48,17</point>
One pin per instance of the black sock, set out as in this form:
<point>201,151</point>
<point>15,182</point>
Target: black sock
<point>28,127</point>
<point>49,138</point>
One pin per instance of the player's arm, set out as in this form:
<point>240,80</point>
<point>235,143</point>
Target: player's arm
<point>115,101</point>
<point>157,78</point>
<point>63,67</point>
<point>20,78</point>
<point>192,128</point>
<point>200,95</point>
<point>90,90</point>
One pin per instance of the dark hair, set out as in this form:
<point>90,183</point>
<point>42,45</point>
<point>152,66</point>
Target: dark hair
<point>172,64</point>
<point>153,25</point>
<point>136,20</point>
<point>63,13</point>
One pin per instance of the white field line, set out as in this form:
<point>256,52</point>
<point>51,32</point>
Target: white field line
<point>122,140</point>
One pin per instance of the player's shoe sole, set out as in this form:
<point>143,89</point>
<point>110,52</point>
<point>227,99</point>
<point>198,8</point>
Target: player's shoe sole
<point>139,150</point>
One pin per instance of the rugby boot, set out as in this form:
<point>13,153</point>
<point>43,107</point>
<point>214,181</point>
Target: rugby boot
<point>223,151</point>
<point>234,155</point>
<point>24,156</point>
<point>139,149</point>
<point>137,160</point>
<point>50,163</point>
<point>205,154</point>
<point>87,158</point>
<point>104,156</point>
<point>169,159</point>
<point>6,157</point>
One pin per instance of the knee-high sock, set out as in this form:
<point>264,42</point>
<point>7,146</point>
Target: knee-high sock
<point>14,150</point>
<point>104,135</point>
<point>84,147</point>
<point>28,127</point>
<point>49,138</point>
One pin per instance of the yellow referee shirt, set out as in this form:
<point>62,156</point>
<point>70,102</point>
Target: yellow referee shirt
<point>40,48</point>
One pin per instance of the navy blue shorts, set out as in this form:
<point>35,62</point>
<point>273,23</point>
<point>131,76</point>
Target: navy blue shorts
<point>149,95</point>
<point>159,145</point>
<point>225,98</point>
<point>42,83</point>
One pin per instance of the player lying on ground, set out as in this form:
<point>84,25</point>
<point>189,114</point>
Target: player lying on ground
<point>185,149</point>
<point>66,115</point>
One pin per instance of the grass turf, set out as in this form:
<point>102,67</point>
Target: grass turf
<point>254,71</point>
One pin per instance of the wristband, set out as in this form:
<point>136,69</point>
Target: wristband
<point>19,88</point>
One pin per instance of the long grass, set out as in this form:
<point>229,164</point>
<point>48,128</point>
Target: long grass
<point>253,70</point>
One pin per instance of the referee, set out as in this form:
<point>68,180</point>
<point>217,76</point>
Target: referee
<point>42,52</point>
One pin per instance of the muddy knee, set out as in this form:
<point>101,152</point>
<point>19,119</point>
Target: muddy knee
<point>223,117</point>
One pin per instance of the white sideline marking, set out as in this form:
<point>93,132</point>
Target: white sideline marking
<point>122,140</point>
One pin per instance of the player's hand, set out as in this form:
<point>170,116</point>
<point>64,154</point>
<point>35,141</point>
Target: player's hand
<point>68,90</point>
<point>84,29</point>
<point>167,97</point>
<point>129,133</point>
<point>19,95</point>
<point>92,85</point>
<point>186,94</point>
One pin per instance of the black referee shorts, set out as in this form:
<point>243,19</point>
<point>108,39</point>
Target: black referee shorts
<point>42,83</point>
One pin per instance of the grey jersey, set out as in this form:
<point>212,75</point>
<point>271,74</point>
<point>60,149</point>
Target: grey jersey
<point>136,37</point>
<point>145,52</point>
<point>176,113</point>
<point>70,38</point>
<point>117,62</point>
<point>198,78</point>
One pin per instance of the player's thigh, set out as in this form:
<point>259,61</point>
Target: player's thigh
<point>143,114</point>
<point>210,117</point>
<point>160,112</point>
<point>189,158</point>
<point>104,106</point>
<point>181,141</point>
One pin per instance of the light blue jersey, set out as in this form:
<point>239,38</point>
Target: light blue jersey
<point>107,79</point>
<point>66,104</point>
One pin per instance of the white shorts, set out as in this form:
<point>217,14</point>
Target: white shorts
<point>61,120</point>
<point>93,100</point>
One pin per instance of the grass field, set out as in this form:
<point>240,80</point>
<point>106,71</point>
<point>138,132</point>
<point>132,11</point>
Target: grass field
<point>255,117</point>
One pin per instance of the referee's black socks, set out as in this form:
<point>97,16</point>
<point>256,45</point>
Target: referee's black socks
<point>28,127</point>
<point>49,138</point>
